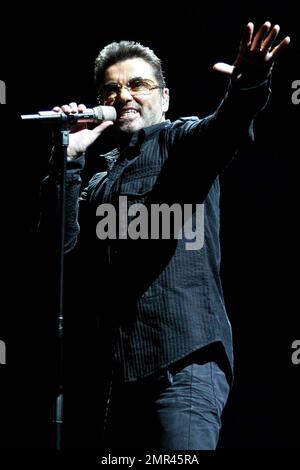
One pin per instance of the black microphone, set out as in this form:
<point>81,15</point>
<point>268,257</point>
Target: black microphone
<point>95,115</point>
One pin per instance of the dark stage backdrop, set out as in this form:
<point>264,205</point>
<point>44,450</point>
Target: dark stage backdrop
<point>49,61</point>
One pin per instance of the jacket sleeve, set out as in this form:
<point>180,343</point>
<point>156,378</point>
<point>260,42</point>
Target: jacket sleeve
<point>77,204</point>
<point>231,123</point>
<point>202,148</point>
<point>49,220</point>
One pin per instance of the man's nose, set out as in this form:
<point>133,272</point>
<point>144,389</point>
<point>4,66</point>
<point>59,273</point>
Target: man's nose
<point>124,94</point>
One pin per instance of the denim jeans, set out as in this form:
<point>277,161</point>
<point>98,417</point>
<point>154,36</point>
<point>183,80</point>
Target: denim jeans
<point>180,410</point>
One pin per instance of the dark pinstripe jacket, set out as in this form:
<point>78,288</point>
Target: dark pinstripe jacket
<point>163,300</point>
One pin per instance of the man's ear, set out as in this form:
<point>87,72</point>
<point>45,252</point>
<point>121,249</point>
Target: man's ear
<point>165,100</point>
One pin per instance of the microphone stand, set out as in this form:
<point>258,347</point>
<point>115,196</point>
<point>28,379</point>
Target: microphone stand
<point>58,408</point>
<point>97,114</point>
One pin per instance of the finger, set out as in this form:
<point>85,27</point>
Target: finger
<point>78,127</point>
<point>267,43</point>
<point>81,108</point>
<point>57,109</point>
<point>66,109</point>
<point>223,68</point>
<point>247,36</point>
<point>260,36</point>
<point>99,129</point>
<point>279,48</point>
<point>74,107</point>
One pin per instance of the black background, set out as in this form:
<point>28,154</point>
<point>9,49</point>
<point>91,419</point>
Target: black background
<point>47,59</point>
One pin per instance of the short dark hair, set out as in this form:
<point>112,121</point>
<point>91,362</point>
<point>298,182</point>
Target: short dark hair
<point>123,50</point>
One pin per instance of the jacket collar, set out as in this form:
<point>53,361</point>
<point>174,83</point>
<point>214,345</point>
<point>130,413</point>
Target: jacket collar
<point>134,144</point>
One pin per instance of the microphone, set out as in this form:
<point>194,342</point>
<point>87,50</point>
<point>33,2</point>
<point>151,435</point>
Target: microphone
<point>95,115</point>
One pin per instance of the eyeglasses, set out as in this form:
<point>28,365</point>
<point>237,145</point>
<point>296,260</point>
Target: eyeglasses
<point>135,86</point>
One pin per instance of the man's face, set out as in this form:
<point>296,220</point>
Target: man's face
<point>135,111</point>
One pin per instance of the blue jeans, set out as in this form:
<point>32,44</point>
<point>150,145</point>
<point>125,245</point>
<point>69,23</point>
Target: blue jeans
<point>180,410</point>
